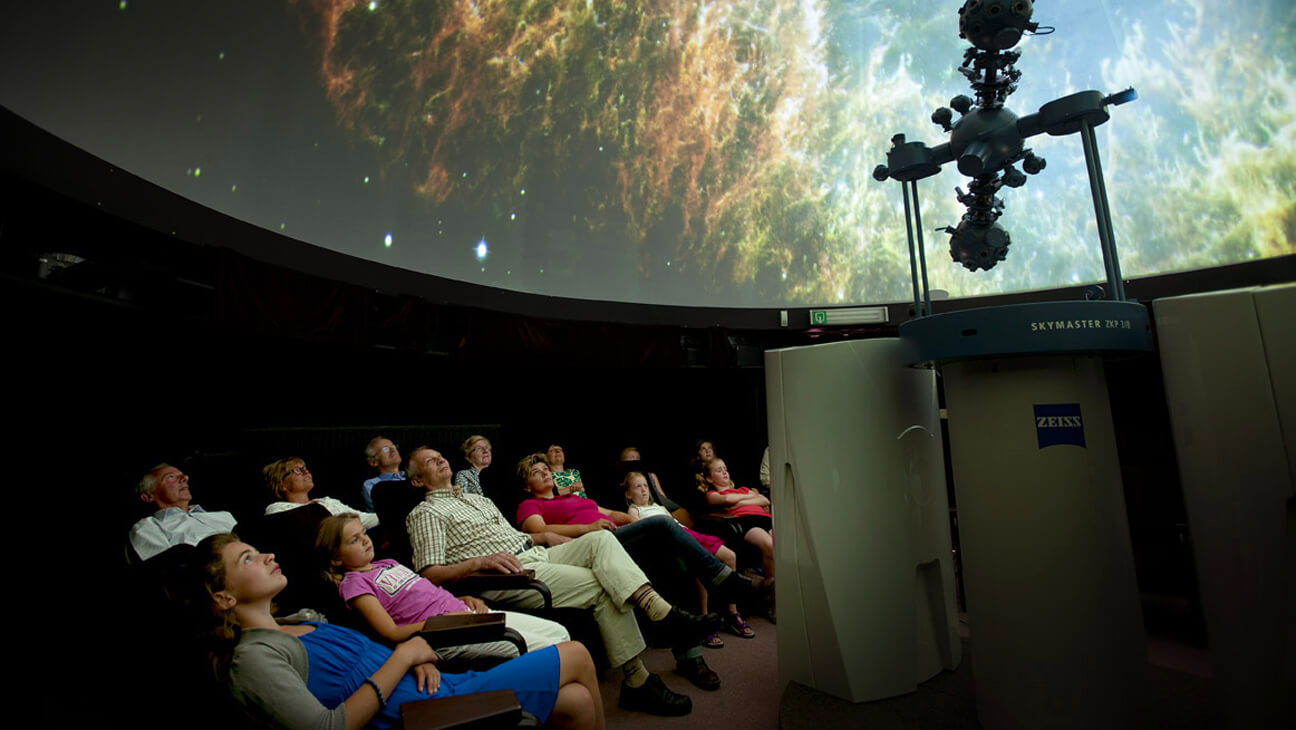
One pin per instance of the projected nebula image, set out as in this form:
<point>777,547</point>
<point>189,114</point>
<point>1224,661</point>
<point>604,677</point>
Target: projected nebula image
<point>699,153</point>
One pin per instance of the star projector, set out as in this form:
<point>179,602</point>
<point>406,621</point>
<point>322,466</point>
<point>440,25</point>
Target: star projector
<point>987,142</point>
<point>995,25</point>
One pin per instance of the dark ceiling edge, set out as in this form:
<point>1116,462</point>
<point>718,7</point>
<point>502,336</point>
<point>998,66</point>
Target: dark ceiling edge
<point>44,159</point>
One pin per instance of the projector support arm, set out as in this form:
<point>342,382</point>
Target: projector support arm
<point>923,307</point>
<point>1102,213</point>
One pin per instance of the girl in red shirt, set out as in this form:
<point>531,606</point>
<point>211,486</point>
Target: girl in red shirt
<point>749,508</point>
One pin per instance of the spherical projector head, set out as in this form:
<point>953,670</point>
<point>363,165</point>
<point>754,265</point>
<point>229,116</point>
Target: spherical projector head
<point>978,245</point>
<point>995,25</point>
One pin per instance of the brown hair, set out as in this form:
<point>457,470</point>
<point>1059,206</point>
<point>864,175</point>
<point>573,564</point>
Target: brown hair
<point>276,473</point>
<point>208,573</point>
<point>528,461</point>
<point>328,541</point>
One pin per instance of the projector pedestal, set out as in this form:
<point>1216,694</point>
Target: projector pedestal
<point>1054,619</point>
<point>1229,360</point>
<point>866,602</point>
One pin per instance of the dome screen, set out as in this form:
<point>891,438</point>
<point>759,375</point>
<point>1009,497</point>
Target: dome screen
<point>691,153</point>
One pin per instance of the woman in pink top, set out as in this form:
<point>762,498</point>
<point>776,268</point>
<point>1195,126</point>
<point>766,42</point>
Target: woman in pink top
<point>670,556</point>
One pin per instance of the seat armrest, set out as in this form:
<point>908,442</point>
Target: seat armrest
<point>498,708</point>
<point>718,524</point>
<point>489,580</point>
<point>463,628</point>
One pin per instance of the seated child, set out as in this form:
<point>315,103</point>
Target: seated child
<point>748,507</point>
<point>395,600</point>
<point>642,507</point>
<point>354,682</point>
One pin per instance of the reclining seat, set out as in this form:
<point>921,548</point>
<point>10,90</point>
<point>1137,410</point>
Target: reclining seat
<point>393,501</point>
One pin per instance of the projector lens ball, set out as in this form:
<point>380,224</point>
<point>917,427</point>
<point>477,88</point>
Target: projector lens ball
<point>994,25</point>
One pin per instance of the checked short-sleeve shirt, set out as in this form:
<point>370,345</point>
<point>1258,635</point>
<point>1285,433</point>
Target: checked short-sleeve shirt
<point>449,527</point>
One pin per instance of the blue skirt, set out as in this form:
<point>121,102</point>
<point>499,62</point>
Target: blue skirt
<point>341,659</point>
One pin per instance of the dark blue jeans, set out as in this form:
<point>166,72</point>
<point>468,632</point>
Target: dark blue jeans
<point>670,557</point>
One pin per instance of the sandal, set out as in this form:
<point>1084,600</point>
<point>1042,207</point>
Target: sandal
<point>713,642</point>
<point>736,626</point>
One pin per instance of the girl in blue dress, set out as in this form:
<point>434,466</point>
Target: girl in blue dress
<point>320,675</point>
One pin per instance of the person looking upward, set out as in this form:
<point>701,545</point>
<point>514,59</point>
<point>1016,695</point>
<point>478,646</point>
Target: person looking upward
<point>176,520</point>
<point>381,454</point>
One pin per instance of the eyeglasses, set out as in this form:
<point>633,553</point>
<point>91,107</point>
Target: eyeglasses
<point>387,449</point>
<point>299,470</point>
<point>485,449</point>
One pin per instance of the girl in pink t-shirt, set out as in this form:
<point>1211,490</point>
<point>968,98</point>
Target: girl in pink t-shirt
<point>396,601</point>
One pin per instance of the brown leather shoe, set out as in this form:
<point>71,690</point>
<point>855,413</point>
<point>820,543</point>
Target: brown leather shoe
<point>696,671</point>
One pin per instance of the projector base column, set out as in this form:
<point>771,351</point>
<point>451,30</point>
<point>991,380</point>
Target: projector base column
<point>1054,617</point>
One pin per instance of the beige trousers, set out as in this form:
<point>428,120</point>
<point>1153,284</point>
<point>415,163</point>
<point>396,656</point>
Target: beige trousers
<point>592,570</point>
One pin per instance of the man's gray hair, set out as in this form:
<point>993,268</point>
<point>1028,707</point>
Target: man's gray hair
<point>149,481</point>
<point>414,470</point>
<point>371,451</point>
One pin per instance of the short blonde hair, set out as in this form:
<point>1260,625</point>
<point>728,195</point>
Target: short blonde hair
<point>702,473</point>
<point>467,446</point>
<point>276,473</point>
<point>528,461</point>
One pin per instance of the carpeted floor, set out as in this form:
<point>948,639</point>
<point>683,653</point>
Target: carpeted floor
<point>1180,693</point>
<point>748,695</point>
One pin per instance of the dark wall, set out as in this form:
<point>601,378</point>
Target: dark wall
<point>101,389</point>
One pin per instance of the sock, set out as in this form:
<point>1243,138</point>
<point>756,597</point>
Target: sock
<point>722,576</point>
<point>683,655</point>
<point>635,672</point>
<point>652,604</point>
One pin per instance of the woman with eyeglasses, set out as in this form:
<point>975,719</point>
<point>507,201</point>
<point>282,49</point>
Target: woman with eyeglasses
<point>291,482</point>
<point>477,450</point>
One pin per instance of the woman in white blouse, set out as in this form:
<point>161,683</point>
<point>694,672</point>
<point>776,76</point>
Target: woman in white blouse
<point>291,482</point>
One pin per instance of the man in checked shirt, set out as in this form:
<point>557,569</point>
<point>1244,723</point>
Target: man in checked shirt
<point>454,534</point>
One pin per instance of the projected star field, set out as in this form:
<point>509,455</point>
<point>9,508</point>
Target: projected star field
<point>700,153</point>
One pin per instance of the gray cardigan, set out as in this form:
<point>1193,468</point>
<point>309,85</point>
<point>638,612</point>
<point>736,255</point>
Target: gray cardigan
<point>268,676</point>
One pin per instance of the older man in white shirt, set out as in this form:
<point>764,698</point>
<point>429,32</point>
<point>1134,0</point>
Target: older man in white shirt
<point>176,521</point>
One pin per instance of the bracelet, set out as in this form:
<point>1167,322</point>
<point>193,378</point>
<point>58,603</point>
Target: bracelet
<point>382,701</point>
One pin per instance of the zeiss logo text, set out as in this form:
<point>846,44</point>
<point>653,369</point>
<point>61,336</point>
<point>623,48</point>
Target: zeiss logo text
<point>1057,424</point>
<point>1056,421</point>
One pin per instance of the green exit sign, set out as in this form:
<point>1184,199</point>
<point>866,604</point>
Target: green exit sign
<point>844,316</point>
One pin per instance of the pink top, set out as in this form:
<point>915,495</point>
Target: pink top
<point>406,596</point>
<point>569,509</point>
<point>743,509</point>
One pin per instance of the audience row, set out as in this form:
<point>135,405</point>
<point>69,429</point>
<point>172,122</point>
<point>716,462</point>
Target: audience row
<point>611,561</point>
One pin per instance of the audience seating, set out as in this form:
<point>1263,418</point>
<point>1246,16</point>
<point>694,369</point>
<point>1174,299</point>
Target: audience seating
<point>394,499</point>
